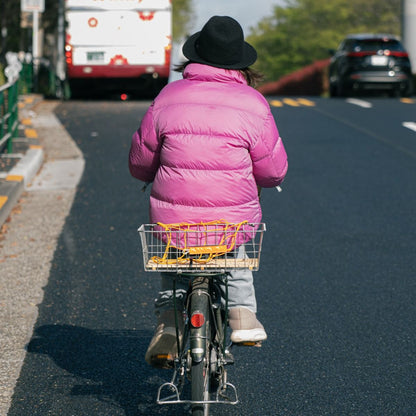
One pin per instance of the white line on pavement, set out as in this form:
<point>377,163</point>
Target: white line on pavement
<point>360,103</point>
<point>410,125</point>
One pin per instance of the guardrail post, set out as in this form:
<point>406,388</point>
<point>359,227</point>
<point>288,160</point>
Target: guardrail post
<point>12,109</point>
<point>2,116</point>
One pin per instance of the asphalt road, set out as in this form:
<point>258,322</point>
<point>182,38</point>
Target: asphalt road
<point>336,290</point>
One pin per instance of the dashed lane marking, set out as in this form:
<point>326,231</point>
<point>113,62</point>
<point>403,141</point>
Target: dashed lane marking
<point>360,103</point>
<point>410,125</point>
<point>307,103</point>
<point>407,100</point>
<point>292,102</point>
<point>276,103</point>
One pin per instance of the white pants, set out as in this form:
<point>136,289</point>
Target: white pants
<point>241,291</point>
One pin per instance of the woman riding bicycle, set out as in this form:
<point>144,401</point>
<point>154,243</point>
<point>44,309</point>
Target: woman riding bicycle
<point>207,142</point>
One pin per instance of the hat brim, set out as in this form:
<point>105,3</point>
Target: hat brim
<point>189,50</point>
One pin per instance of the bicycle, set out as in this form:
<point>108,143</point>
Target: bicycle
<point>205,253</point>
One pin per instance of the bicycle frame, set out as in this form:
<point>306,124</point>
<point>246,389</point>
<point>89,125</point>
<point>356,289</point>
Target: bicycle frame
<point>205,252</point>
<point>206,342</point>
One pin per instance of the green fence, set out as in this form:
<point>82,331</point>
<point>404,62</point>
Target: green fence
<point>9,94</point>
<point>26,79</point>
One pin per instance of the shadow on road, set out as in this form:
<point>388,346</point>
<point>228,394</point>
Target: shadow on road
<point>108,365</point>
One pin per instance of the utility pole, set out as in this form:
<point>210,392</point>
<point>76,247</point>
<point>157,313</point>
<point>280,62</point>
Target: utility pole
<point>60,60</point>
<point>409,29</point>
<point>36,7</point>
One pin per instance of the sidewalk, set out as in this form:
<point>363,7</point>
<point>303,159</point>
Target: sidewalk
<point>18,169</point>
<point>38,186</point>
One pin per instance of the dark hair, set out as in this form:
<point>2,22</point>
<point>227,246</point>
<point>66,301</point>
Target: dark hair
<point>252,76</point>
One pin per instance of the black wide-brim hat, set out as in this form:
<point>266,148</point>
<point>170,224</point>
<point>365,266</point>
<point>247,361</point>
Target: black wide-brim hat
<point>220,43</point>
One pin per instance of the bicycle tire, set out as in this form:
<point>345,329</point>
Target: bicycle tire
<point>200,368</point>
<point>200,384</point>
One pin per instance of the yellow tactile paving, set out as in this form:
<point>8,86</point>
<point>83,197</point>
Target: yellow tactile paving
<point>14,178</point>
<point>31,133</point>
<point>3,200</point>
<point>35,146</point>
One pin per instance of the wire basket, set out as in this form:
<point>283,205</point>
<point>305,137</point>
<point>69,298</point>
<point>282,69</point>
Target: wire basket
<point>214,247</point>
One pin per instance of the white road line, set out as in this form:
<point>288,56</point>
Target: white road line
<point>410,125</point>
<point>360,103</point>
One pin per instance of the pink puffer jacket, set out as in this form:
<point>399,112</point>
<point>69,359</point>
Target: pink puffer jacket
<point>206,142</point>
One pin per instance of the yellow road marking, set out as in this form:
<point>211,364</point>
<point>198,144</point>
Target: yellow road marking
<point>3,200</point>
<point>31,133</point>
<point>291,102</point>
<point>407,100</point>
<point>276,103</point>
<point>306,102</point>
<point>14,178</point>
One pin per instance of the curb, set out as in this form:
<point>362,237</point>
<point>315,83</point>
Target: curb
<point>15,181</point>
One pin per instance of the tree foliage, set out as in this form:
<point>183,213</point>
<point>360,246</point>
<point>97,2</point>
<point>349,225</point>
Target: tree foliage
<point>301,31</point>
<point>9,26</point>
<point>182,16</point>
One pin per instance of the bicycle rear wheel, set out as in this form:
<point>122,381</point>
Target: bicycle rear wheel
<point>200,345</point>
<point>200,382</point>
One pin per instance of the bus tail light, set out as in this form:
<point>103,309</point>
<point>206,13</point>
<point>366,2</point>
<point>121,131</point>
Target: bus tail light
<point>68,54</point>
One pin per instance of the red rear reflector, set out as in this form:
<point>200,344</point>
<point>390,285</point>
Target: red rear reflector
<point>197,319</point>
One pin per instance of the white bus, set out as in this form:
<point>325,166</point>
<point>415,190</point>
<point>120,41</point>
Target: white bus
<point>119,45</point>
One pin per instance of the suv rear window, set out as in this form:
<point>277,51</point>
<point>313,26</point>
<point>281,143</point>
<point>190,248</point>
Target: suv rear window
<point>369,45</point>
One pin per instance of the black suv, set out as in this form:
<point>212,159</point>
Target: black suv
<point>370,62</point>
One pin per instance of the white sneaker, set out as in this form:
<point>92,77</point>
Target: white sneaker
<point>245,326</point>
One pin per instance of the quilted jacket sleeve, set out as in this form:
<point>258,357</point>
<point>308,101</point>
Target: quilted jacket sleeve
<point>145,150</point>
<point>269,156</point>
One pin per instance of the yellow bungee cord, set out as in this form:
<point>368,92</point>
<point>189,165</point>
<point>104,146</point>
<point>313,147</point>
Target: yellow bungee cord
<point>204,253</point>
